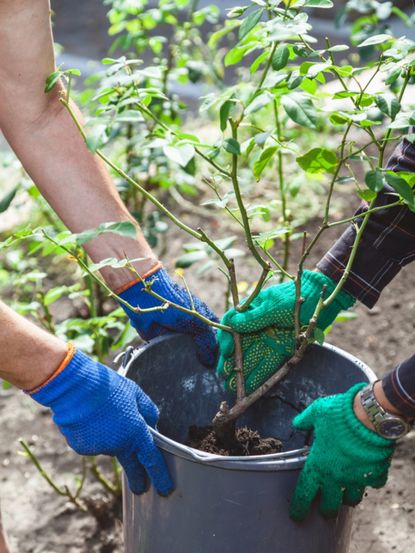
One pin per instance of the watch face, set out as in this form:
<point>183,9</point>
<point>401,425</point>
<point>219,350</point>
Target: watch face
<point>392,428</point>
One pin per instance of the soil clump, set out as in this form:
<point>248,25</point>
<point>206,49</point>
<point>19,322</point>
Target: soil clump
<point>248,442</point>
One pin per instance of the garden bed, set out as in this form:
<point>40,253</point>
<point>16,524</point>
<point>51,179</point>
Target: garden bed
<point>41,522</point>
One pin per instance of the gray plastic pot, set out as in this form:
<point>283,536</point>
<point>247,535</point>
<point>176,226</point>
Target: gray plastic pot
<point>231,504</point>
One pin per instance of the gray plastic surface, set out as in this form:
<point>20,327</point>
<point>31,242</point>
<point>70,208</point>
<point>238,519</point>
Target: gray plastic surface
<point>232,504</point>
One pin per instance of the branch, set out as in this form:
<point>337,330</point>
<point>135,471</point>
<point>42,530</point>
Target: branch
<point>241,406</point>
<point>65,491</point>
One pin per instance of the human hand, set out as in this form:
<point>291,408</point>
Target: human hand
<point>100,412</point>
<point>274,308</point>
<point>344,459</point>
<point>155,323</point>
<point>263,354</point>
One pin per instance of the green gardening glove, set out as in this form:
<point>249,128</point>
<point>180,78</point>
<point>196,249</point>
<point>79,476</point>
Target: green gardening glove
<point>274,307</point>
<point>266,351</point>
<point>345,456</point>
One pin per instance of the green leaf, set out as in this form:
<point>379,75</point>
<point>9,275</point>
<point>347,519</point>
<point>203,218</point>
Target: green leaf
<point>281,57</point>
<point>249,23</point>
<point>224,112</point>
<point>388,104</point>
<point>338,48</point>
<point>124,228</point>
<point>188,259</point>
<point>53,294</point>
<point>376,39</point>
<point>300,109</point>
<point>401,187</point>
<point>318,160</point>
<point>366,195</point>
<point>75,72</point>
<point>52,80</point>
<point>235,55</point>
<point>180,154</point>
<point>264,159</point>
<point>232,146</point>
<point>375,180</point>
<point>7,199</point>
<point>258,62</point>
<point>319,336</point>
<point>325,4</point>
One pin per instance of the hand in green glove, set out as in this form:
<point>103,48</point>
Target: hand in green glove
<point>274,307</point>
<point>266,351</point>
<point>345,456</point>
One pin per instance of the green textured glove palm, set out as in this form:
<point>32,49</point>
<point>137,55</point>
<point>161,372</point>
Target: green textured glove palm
<point>264,350</point>
<point>344,459</point>
<point>273,311</point>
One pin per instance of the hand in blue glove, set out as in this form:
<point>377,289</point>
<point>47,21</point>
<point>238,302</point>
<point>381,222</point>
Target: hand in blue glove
<point>155,323</point>
<point>100,412</point>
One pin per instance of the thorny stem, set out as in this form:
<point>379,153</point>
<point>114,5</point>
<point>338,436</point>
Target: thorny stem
<point>84,266</point>
<point>264,73</point>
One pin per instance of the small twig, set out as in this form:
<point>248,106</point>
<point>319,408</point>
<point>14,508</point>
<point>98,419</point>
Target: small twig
<point>101,478</point>
<point>265,272</point>
<point>64,491</point>
<point>168,303</point>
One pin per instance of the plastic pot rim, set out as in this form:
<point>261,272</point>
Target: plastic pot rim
<point>286,460</point>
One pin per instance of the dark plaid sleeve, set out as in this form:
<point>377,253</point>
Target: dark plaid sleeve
<point>387,244</point>
<point>399,387</point>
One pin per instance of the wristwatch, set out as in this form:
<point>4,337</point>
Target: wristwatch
<point>387,425</point>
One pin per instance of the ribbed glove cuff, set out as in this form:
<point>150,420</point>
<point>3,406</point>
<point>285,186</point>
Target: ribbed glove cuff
<point>72,393</point>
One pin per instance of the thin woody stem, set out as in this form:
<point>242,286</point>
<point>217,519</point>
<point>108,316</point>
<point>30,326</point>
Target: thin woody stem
<point>242,405</point>
<point>64,491</point>
<point>85,267</point>
<point>359,216</point>
<point>239,201</point>
<point>239,367</point>
<point>259,285</point>
<point>199,235</point>
<point>147,288</point>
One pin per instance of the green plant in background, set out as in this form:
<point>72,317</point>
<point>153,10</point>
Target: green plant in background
<point>262,120</point>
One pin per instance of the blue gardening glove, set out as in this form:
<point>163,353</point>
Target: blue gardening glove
<point>155,323</point>
<point>100,412</point>
<point>344,459</point>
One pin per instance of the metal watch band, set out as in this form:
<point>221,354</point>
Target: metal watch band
<point>379,417</point>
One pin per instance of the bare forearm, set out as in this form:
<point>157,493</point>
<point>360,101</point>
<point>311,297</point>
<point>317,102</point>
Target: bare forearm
<point>41,132</point>
<point>28,354</point>
<point>78,187</point>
